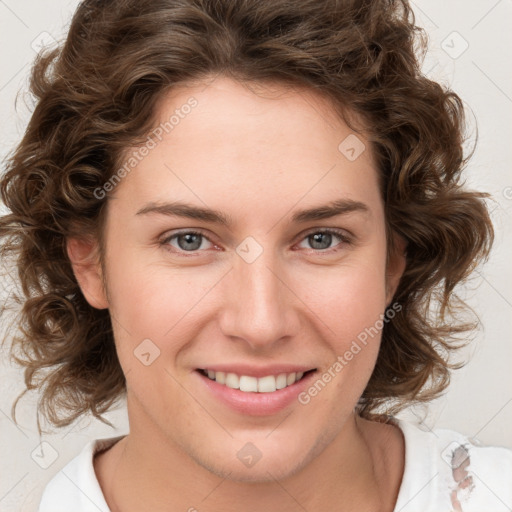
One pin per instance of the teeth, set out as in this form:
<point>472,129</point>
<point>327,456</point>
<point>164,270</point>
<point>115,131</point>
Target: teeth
<point>232,381</point>
<point>248,384</point>
<point>267,384</point>
<point>281,381</point>
<point>291,378</point>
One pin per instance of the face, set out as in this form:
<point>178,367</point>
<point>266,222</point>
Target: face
<point>248,244</point>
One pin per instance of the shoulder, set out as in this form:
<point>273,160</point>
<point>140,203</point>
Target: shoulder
<point>75,486</point>
<point>446,470</point>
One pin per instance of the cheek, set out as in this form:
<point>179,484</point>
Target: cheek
<point>359,304</point>
<point>150,301</point>
<point>349,304</point>
<point>350,310</point>
<point>347,299</point>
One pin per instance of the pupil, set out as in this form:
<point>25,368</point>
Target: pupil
<point>317,239</point>
<point>190,238</point>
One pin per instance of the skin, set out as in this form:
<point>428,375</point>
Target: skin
<point>259,158</point>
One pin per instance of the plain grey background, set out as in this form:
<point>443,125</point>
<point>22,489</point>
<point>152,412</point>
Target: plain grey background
<point>470,51</point>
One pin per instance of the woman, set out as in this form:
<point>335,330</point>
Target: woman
<point>246,218</point>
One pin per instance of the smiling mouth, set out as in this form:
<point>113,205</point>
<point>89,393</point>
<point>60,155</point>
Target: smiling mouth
<point>249,384</point>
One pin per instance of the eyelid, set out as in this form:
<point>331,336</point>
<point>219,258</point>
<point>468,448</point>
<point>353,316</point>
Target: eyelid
<point>343,233</point>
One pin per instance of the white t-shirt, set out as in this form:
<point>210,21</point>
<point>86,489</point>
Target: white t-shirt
<point>444,472</point>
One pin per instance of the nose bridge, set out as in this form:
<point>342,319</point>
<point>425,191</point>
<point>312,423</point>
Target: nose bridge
<point>258,308</point>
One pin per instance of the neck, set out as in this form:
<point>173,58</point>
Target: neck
<point>150,472</point>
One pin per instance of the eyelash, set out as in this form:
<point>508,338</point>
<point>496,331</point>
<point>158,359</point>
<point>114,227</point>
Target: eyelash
<point>344,238</point>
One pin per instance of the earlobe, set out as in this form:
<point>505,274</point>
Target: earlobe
<point>83,256</point>
<point>395,267</point>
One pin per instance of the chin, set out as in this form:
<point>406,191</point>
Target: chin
<point>258,462</point>
<point>270,470</point>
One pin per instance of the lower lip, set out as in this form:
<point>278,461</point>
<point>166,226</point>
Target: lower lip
<point>257,404</point>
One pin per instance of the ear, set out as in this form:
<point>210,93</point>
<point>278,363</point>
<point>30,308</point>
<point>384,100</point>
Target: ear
<point>83,255</point>
<point>395,266</point>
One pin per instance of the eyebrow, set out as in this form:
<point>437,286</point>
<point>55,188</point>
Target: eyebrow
<point>180,209</point>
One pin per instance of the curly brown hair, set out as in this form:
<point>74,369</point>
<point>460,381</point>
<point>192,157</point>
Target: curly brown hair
<point>96,96</point>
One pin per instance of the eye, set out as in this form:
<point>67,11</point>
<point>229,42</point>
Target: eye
<point>186,241</point>
<point>321,239</point>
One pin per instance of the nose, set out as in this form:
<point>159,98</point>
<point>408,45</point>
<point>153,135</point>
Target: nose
<point>259,307</point>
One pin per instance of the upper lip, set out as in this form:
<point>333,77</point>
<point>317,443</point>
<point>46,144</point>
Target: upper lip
<point>257,371</point>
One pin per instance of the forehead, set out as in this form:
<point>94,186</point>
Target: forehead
<point>226,140</point>
<point>252,112</point>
